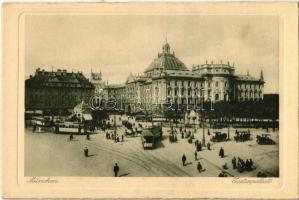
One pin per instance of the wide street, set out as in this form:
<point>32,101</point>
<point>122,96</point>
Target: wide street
<point>49,154</point>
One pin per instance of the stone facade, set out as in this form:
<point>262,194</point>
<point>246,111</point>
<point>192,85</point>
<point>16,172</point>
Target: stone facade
<point>167,82</point>
<point>49,90</point>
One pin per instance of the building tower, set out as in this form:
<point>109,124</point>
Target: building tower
<point>96,80</point>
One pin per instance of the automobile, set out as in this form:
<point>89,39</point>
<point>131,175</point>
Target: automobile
<point>242,136</point>
<point>218,137</point>
<point>264,139</point>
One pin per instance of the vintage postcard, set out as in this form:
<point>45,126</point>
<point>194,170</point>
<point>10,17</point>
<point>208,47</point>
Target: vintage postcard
<point>150,100</point>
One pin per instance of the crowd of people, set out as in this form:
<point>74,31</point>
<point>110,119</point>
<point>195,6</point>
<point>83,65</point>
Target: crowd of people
<point>242,165</point>
<point>115,137</point>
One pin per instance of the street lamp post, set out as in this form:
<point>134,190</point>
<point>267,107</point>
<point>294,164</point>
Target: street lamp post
<point>203,131</point>
<point>115,127</point>
<point>203,135</point>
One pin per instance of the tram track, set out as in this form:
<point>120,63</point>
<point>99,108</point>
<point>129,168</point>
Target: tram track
<point>161,163</point>
<point>122,155</point>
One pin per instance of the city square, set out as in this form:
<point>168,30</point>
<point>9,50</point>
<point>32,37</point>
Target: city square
<point>49,154</point>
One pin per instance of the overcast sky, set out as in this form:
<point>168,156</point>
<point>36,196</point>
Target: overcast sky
<point>119,45</point>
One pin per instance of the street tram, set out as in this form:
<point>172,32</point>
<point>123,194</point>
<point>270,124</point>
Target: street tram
<point>69,128</point>
<point>150,136</point>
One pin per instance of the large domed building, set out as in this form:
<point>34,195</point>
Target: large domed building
<point>167,81</point>
<point>165,61</point>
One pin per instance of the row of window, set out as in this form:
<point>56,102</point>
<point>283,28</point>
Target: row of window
<point>249,86</point>
<point>199,84</point>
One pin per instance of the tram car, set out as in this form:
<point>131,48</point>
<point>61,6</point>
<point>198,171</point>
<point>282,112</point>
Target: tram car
<point>241,136</point>
<point>264,139</point>
<point>69,128</point>
<point>41,124</point>
<point>218,137</point>
<point>150,137</point>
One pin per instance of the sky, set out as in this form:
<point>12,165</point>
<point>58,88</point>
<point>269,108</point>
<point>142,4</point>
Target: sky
<point>120,44</point>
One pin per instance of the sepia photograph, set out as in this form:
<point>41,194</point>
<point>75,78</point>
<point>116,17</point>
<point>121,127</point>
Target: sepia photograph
<point>151,95</point>
<point>151,100</point>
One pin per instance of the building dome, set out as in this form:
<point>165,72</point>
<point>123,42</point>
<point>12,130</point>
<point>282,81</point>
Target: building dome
<point>166,61</point>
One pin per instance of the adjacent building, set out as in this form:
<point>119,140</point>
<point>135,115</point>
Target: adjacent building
<point>56,91</point>
<point>167,82</point>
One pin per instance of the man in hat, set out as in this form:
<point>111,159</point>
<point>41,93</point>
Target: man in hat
<point>86,152</point>
<point>234,162</point>
<point>116,169</point>
<point>221,152</point>
<point>199,167</point>
<point>184,159</point>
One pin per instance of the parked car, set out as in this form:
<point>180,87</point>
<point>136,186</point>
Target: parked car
<point>219,137</point>
<point>264,139</point>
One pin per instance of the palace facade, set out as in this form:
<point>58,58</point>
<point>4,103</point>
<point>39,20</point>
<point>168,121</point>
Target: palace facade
<point>56,91</point>
<point>167,82</point>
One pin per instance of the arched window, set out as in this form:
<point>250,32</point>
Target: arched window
<point>216,97</point>
<point>169,91</point>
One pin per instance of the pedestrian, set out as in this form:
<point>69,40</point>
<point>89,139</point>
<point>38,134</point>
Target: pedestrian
<point>196,143</point>
<point>122,138</point>
<point>71,137</point>
<point>225,166</point>
<point>199,167</point>
<point>86,152</point>
<point>221,152</point>
<point>209,146</point>
<point>251,163</point>
<point>87,136</point>
<point>199,147</point>
<point>195,155</point>
<point>184,159</point>
<point>117,139</point>
<point>234,162</point>
<point>247,165</point>
<point>116,169</point>
<point>175,138</point>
